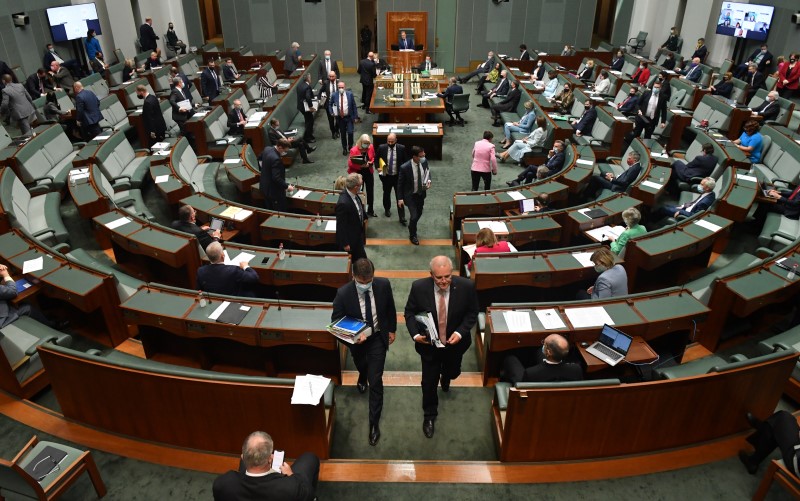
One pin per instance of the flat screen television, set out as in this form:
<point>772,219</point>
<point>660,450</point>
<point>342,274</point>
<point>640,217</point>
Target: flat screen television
<point>71,22</point>
<point>745,20</point>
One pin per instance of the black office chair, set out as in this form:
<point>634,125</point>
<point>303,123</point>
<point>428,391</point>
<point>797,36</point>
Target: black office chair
<point>418,47</point>
<point>395,46</point>
<point>460,105</point>
<point>639,42</point>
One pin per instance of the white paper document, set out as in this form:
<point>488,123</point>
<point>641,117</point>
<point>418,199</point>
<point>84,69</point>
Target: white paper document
<point>243,256</point>
<point>653,154</point>
<point>469,249</point>
<point>384,129</point>
<point>708,225</point>
<point>745,177</point>
<point>117,223</point>
<point>676,111</point>
<point>595,316</point>
<point>582,161</point>
<point>160,146</point>
<point>200,114</point>
<point>495,226</point>
<point>32,265</point>
<point>301,194</point>
<point>309,389</point>
<point>515,195</point>
<point>584,211</point>
<point>651,184</point>
<point>219,310</point>
<point>518,321</point>
<point>604,232</point>
<point>162,178</point>
<point>101,138</point>
<point>242,215</point>
<point>528,205</point>
<point>330,225</point>
<point>584,258</point>
<point>550,319</point>
<point>232,161</point>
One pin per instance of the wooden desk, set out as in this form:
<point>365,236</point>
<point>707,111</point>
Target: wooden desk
<point>404,60</point>
<point>432,142</point>
<point>639,353</point>
<point>406,111</point>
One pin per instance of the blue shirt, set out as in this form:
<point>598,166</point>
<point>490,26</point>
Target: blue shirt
<point>550,89</point>
<point>756,142</point>
<point>92,47</point>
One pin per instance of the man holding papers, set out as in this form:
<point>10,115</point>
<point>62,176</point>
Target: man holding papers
<point>370,298</point>
<point>542,366</point>
<point>187,223</point>
<point>453,305</point>
<point>220,278</point>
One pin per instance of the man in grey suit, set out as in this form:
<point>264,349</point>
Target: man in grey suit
<point>17,104</point>
<point>87,111</point>
<point>61,76</point>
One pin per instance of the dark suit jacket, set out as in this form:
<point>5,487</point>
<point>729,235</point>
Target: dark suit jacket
<point>235,486</point>
<point>226,279</point>
<point>399,154</point>
<point>405,181</point>
<point>274,136</point>
<point>586,122</point>
<point>621,182</point>
<point>630,106</point>
<point>346,304</point>
<point>700,166</point>
<point>233,122</point>
<point>549,373</point>
<point>127,74</point>
<point>152,117</point>
<point>366,68</point>
<point>421,66</point>
<point>203,238</point>
<point>756,80</point>
<point>32,85</point>
<point>700,52</point>
<point>768,110</point>
<point>766,61</point>
<point>326,89</point>
<point>349,228</point>
<point>669,64</point>
<point>451,91</point>
<point>723,88</point>
<point>8,291</point>
<point>322,73</point>
<point>151,63</point>
<point>462,311</point>
<point>704,204</point>
<point>174,98</point>
<point>273,174</point>
<point>586,74</point>
<point>304,95</point>
<point>556,162</point>
<point>693,74</point>
<point>87,107</point>
<point>539,72</point>
<point>501,87</point>
<point>352,108</point>
<point>661,107</point>
<point>510,102</point>
<point>210,83</point>
<point>147,38</point>
<point>292,61</point>
<point>407,44</point>
<point>525,56</point>
<point>227,73</point>
<point>784,205</point>
<point>617,63</point>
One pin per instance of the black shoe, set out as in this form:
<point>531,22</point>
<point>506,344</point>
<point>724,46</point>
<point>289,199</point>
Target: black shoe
<point>311,149</point>
<point>414,240</point>
<point>403,221</point>
<point>374,434</point>
<point>387,213</point>
<point>513,183</point>
<point>372,214</point>
<point>310,140</point>
<point>754,421</point>
<point>445,384</point>
<point>362,387</point>
<point>427,428</point>
<point>344,153</point>
<point>747,461</point>
<point>368,112</point>
<point>308,161</point>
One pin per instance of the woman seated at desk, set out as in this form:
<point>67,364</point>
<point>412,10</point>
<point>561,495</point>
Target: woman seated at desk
<point>521,146</point>
<point>486,242</point>
<point>613,280</point>
<point>564,100</point>
<point>631,217</point>
<point>724,87</point>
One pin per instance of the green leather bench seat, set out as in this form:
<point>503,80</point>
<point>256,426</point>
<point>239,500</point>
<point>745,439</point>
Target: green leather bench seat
<point>714,363</point>
<point>19,340</point>
<point>119,163</point>
<point>126,284</point>
<point>701,288</point>
<point>64,102</point>
<point>95,83</point>
<point>215,125</point>
<point>115,117</point>
<point>129,200</point>
<point>44,161</point>
<point>38,216</point>
<point>200,176</point>
<point>601,132</point>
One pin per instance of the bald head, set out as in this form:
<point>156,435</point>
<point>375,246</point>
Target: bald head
<point>556,348</point>
<point>257,452</point>
<point>215,252</point>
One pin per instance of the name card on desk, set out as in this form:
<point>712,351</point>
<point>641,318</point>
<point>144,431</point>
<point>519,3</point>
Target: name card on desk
<point>330,225</point>
<point>651,184</point>
<point>595,316</point>
<point>653,154</point>
<point>32,265</point>
<point>585,258</point>
<point>162,179</point>
<point>117,223</point>
<point>232,161</point>
<point>708,225</point>
<point>584,162</point>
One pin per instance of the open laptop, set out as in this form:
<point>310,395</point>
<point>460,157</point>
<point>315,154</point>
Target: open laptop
<point>612,347</point>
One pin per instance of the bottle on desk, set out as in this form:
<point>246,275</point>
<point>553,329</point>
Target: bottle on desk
<point>281,252</point>
<point>201,299</point>
<point>319,221</point>
<point>792,273</point>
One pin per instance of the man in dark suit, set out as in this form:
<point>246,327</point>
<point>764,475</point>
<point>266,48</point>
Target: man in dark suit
<point>509,103</point>
<point>227,279</point>
<point>181,110</point>
<point>629,105</point>
<point>486,67</point>
<point>405,42</point>
<point>555,163</point>
<point>343,107</point>
<point>293,59</point>
<point>699,204</point>
<point>499,89</point>
<point>176,72</point>
<point>616,184</point>
<point>780,431</point>
<point>672,40</point>
<point>38,84</point>
<point>755,80</point>
<point>187,223</point>
<point>524,55</point>
<point>453,304</point>
<point>209,81</point>
<point>51,55</point>
<point>61,76</point>
<point>153,119</point>
<point>618,61</point>
<point>447,95</point>
<point>305,105</point>
<point>545,365</point>
<point>761,57</point>
<point>701,166</point>
<point>327,91</point>
<point>652,110</point>
<point>273,176</point>
<point>583,125</point>
<point>769,109</point>
<point>229,71</point>
<point>350,219</point>
<point>257,481</point>
<point>701,50</point>
<point>413,182</point>
<point>236,119</point>
<point>10,312</point>
<point>369,298</point>
<point>366,68</point>
<point>787,202</point>
<point>87,111</point>
<point>325,66</point>
<point>427,64</point>
<point>393,155</point>
<point>147,36</point>
<point>275,134</point>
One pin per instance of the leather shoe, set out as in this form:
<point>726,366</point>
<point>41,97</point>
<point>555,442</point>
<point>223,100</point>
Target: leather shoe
<point>372,214</point>
<point>747,461</point>
<point>414,240</point>
<point>362,387</point>
<point>754,421</point>
<point>374,434</point>
<point>427,428</point>
<point>310,140</point>
<point>387,213</point>
<point>403,222</point>
<point>445,384</point>
<point>344,153</point>
<point>368,112</point>
<point>512,183</point>
<point>311,148</point>
<point>308,161</point>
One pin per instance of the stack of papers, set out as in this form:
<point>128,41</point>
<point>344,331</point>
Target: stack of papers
<point>230,212</point>
<point>651,184</point>
<point>242,215</point>
<point>162,178</point>
<point>605,232</point>
<point>595,316</point>
<point>160,146</point>
<point>384,129</point>
<point>348,329</point>
<point>515,195</point>
<point>426,322</point>
<point>78,174</point>
<point>708,225</point>
<point>330,225</point>
<point>232,161</point>
<point>495,226</point>
<point>584,258</point>
<point>309,389</point>
<point>301,194</point>
<point>200,114</point>
<point>518,321</point>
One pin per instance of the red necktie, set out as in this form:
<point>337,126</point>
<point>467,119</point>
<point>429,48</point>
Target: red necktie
<point>794,193</point>
<point>341,105</point>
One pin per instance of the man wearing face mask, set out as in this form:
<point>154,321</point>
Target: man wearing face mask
<point>628,105</point>
<point>343,107</point>
<point>327,91</point>
<point>51,55</point>
<point>350,218</point>
<point>672,41</point>
<point>693,72</point>
<point>305,105</point>
<point>236,119</point>
<point>392,156</point>
<point>618,61</point>
<point>153,119</point>
<point>174,41</point>
<point>585,123</point>
<point>652,110</point>
<point>524,54</point>
<point>275,134</point>
<point>769,109</point>
<point>370,298</point>
<point>669,62</point>
<point>614,183</point>
<point>273,176</point>
<point>545,365</point>
<point>761,57</point>
<point>325,66</point>
<point>181,101</point>
<point>555,163</point>
<point>702,202</point>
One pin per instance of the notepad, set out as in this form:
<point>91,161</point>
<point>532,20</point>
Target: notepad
<point>242,215</point>
<point>301,194</point>
<point>232,161</point>
<point>708,225</point>
<point>495,226</point>
<point>32,265</point>
<point>584,258</point>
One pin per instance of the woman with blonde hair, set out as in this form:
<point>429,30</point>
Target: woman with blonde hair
<point>613,280</point>
<point>362,161</point>
<point>486,241</point>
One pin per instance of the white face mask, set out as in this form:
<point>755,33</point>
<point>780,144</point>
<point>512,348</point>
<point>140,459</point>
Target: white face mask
<point>341,91</point>
<point>539,63</point>
<point>362,288</point>
<point>327,58</point>
<point>700,188</point>
<point>599,268</point>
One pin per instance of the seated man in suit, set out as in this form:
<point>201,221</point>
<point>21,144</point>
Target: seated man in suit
<point>61,76</point>
<point>542,366</point>
<point>755,80</point>
<point>616,184</point>
<point>427,64</point>
<point>275,134</point>
<point>229,71</point>
<point>187,223</point>
<point>236,119</point>
<point>769,109</point>
<point>630,104</point>
<point>38,84</point>
<point>509,103</point>
<point>152,62</point>
<point>583,126</point>
<point>761,57</point>
<point>699,204</point>
<point>405,42</point>
<point>693,72</point>
<point>221,278</point>
<point>555,163</point>
<point>257,480</point>
<point>486,67</point>
<point>9,312</point>
<point>447,95</point>
<point>701,166</point>
<point>787,202</point>
<point>500,89</point>
<point>618,61</point>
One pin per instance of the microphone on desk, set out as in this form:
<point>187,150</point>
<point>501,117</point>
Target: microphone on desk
<point>278,298</point>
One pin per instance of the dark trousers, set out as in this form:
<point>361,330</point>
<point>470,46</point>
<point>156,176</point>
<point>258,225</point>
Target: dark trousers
<point>89,131</point>
<point>366,94</point>
<point>415,205</point>
<point>369,358</point>
<point>276,202</point>
<point>597,183</point>
<point>309,125</point>
<point>642,124</point>
<point>369,186</point>
<point>437,363</point>
<point>332,124</point>
<point>300,144</point>
<point>346,137</point>
<point>529,174</point>
<point>470,75</point>
<point>514,365</point>
<point>779,430</point>
<point>389,184</point>
<point>477,176</point>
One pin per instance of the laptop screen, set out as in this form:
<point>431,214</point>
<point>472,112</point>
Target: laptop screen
<point>618,341</point>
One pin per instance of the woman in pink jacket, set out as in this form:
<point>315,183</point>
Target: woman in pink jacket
<point>484,163</point>
<point>364,152</point>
